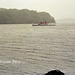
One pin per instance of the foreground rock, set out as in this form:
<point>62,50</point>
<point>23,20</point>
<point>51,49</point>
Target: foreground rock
<point>55,72</point>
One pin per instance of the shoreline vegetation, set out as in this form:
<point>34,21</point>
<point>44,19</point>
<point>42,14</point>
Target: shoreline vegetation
<point>23,16</point>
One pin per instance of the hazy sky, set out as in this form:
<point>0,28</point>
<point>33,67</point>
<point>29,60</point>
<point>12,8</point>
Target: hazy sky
<point>57,8</point>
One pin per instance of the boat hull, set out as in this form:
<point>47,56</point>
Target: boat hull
<point>49,24</point>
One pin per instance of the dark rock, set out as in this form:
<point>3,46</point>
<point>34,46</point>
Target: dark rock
<point>55,72</point>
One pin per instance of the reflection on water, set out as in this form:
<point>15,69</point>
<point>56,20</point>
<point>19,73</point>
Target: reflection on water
<point>34,50</point>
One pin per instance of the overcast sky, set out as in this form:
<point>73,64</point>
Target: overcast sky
<point>57,8</point>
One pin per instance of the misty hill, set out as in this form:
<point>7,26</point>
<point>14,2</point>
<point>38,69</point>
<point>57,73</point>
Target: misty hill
<point>24,16</point>
<point>66,20</point>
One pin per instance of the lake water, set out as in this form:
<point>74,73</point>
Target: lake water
<point>35,50</point>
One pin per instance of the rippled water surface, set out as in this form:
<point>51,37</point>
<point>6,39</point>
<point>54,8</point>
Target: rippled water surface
<point>35,50</point>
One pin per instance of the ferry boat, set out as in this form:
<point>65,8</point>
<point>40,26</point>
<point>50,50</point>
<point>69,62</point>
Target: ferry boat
<point>48,24</point>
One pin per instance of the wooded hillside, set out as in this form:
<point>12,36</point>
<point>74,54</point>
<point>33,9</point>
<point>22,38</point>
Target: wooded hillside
<point>23,16</point>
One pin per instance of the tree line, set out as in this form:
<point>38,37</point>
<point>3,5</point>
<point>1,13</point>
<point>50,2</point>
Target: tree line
<point>23,16</point>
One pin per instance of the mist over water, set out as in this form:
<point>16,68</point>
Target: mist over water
<point>35,50</point>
